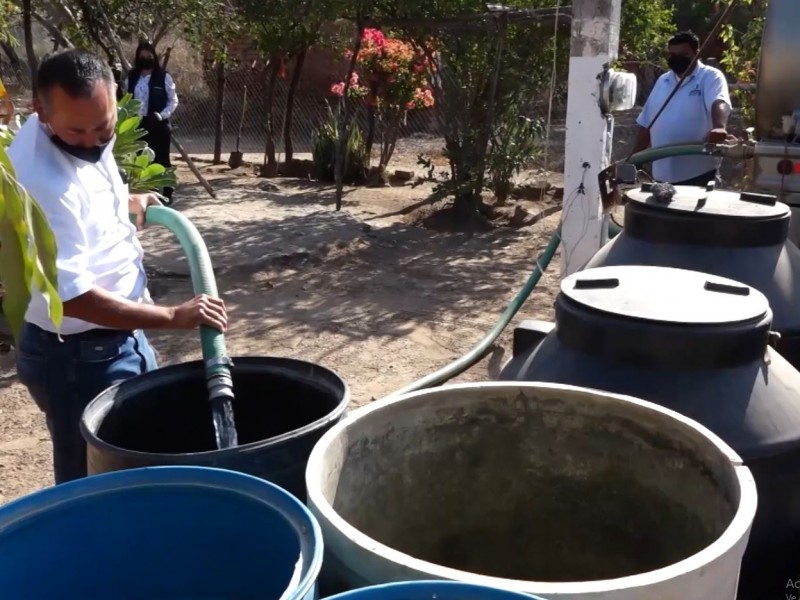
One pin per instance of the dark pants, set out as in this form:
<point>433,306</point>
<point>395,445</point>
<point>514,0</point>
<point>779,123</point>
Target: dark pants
<point>159,139</point>
<point>63,377</point>
<point>702,180</point>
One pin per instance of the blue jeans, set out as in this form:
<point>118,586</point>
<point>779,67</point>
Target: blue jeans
<point>63,377</point>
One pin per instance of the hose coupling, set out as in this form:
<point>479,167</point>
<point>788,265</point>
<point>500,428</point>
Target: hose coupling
<point>220,387</point>
<point>219,361</point>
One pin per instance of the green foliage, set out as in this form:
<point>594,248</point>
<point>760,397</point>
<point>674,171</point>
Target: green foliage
<point>132,154</point>
<point>646,27</point>
<point>515,142</point>
<point>103,24</point>
<point>489,77</point>
<point>486,78</point>
<point>27,251</point>
<point>742,53</point>
<point>326,139</point>
<point>285,27</point>
<point>9,17</point>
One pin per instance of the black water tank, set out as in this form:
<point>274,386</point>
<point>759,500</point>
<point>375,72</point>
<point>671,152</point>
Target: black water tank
<point>699,345</point>
<point>740,236</point>
<point>282,407</point>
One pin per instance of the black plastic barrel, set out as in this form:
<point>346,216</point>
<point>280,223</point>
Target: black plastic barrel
<point>739,236</point>
<point>282,407</point>
<point>699,345</point>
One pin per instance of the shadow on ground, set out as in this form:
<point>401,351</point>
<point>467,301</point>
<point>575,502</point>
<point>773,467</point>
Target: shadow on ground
<point>296,263</point>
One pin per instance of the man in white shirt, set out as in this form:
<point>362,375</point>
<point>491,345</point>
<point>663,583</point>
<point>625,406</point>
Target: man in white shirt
<point>63,157</point>
<point>697,113</point>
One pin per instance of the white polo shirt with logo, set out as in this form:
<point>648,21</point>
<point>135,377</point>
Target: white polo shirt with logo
<point>86,205</point>
<point>685,120</point>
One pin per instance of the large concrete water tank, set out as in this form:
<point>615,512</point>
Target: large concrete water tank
<point>562,492</point>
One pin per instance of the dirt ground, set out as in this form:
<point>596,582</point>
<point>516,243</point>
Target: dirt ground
<point>366,291</point>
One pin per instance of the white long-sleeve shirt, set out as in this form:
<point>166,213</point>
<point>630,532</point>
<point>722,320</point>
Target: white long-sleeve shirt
<point>86,205</point>
<point>142,94</point>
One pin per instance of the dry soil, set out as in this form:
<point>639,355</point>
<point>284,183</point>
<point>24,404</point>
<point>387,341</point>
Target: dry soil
<point>366,291</point>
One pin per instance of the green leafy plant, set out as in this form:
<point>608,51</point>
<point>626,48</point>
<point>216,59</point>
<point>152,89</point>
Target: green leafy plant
<point>133,156</point>
<point>741,56</point>
<point>324,152</point>
<point>27,250</point>
<point>515,142</point>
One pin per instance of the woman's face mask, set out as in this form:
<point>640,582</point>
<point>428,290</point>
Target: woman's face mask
<point>145,62</point>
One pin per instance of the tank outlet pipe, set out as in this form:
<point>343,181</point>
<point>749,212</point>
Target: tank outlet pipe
<point>215,355</point>
<point>474,356</point>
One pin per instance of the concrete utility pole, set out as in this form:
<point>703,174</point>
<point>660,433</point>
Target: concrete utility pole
<point>595,43</point>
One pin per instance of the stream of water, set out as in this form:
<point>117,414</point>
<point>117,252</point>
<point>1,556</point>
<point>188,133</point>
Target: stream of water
<point>224,424</point>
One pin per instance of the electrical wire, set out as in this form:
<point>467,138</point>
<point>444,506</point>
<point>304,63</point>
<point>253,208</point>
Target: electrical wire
<point>569,206</point>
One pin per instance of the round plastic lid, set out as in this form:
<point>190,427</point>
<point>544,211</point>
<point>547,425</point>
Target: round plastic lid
<point>665,295</point>
<point>698,200</point>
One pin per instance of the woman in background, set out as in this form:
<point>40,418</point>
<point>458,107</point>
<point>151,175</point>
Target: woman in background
<point>154,88</point>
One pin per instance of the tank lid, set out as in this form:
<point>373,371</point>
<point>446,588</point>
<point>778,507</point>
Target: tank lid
<point>665,294</point>
<point>705,216</point>
<point>659,317</point>
<point>698,200</point>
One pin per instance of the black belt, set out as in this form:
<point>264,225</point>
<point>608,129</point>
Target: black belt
<point>89,335</point>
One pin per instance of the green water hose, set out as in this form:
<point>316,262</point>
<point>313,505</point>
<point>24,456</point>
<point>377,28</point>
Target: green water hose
<point>653,154</point>
<point>478,352</point>
<point>215,355</point>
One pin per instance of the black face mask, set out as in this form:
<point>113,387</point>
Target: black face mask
<point>92,155</point>
<point>679,64</point>
<point>145,63</point>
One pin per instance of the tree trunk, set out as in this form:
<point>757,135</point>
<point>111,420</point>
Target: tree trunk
<point>299,61</point>
<point>59,39</point>
<point>218,113</point>
<point>270,162</point>
<point>344,118</point>
<point>15,61</point>
<point>371,121</point>
<point>92,26</point>
<point>467,199</point>
<point>27,26</point>
<point>390,133</point>
<point>116,43</point>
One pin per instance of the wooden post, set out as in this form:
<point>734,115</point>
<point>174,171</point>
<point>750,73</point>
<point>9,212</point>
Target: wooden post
<point>595,43</point>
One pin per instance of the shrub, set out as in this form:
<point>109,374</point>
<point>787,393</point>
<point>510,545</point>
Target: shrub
<point>326,138</point>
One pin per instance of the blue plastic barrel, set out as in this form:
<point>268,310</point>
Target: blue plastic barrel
<point>431,590</point>
<point>160,533</point>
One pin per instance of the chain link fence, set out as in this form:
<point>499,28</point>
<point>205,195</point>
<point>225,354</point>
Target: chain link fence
<point>195,120</point>
<point>244,109</point>
<point>420,134</point>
